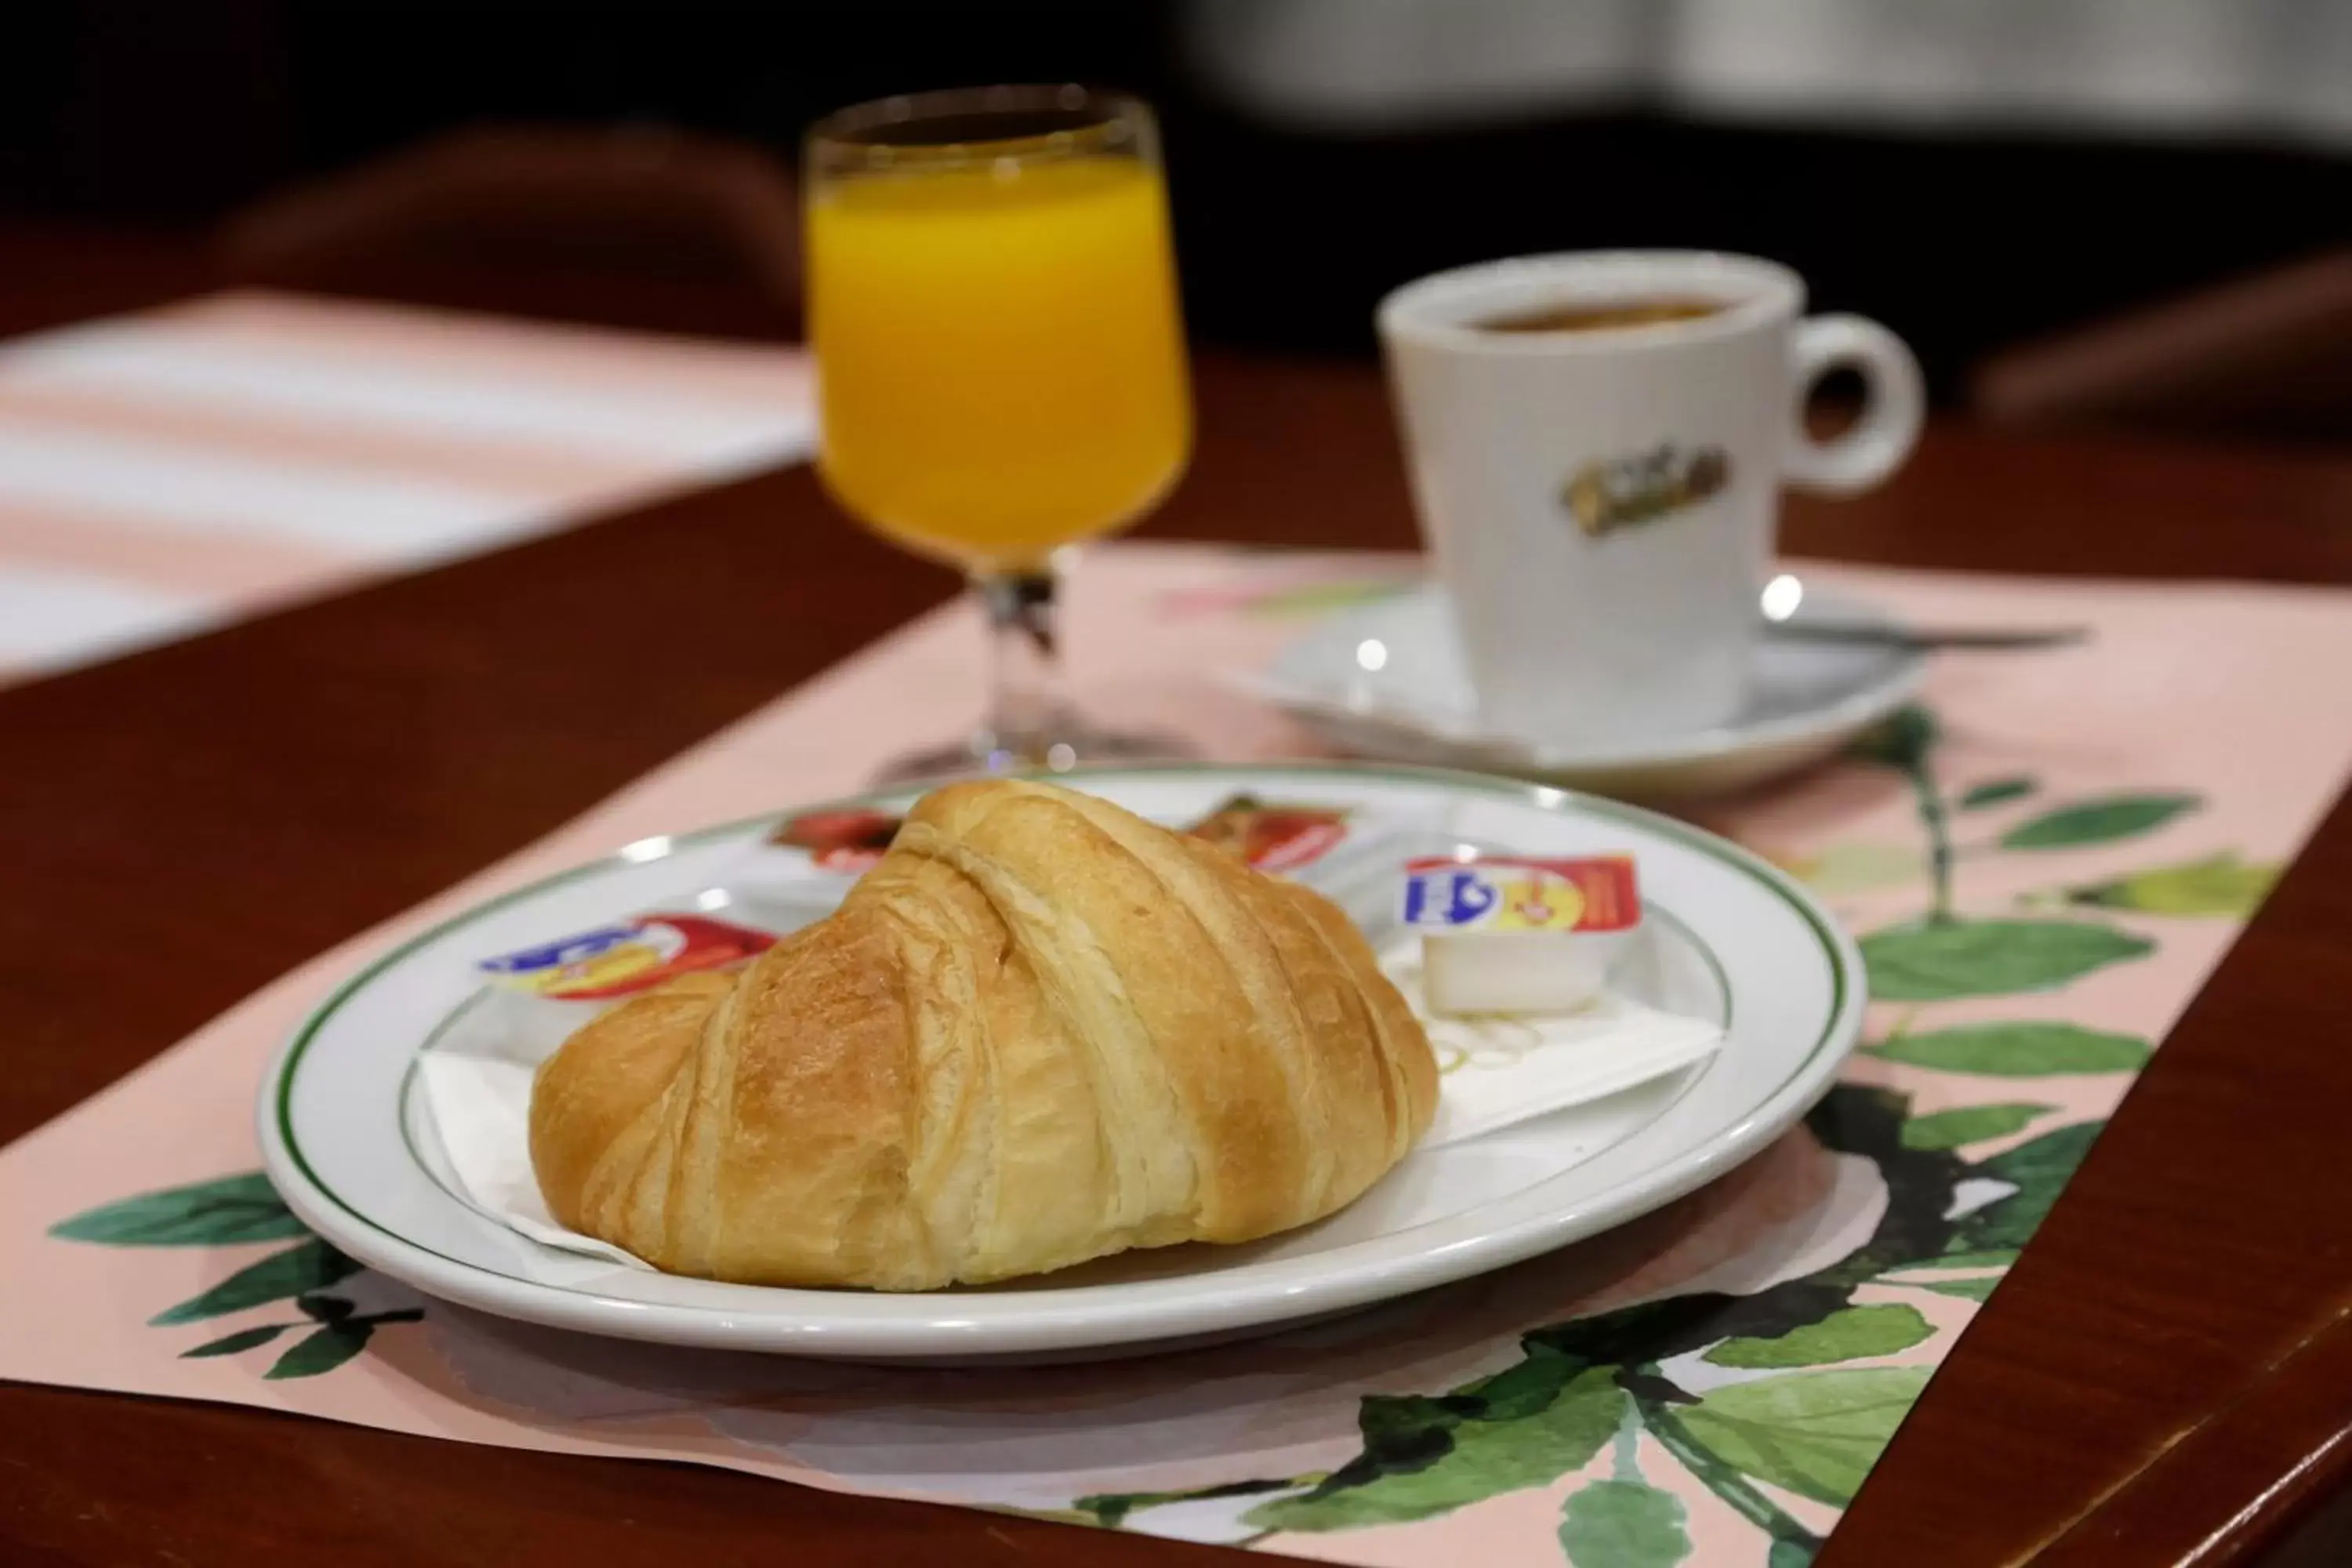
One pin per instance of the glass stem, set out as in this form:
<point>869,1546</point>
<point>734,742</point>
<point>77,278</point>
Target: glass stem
<point>1027,707</point>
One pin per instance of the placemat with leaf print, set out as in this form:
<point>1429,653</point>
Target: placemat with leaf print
<point>2043,861</point>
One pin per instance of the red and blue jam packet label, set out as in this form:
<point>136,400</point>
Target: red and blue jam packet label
<point>847,841</point>
<point>1501,892</point>
<point>626,958</point>
<point>1273,835</point>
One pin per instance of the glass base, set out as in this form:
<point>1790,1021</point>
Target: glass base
<point>1057,751</point>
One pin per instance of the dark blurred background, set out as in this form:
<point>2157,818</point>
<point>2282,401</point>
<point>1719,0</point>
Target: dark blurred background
<point>1979,177</point>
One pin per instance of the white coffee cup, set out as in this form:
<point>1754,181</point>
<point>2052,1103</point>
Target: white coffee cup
<point>1600,501</point>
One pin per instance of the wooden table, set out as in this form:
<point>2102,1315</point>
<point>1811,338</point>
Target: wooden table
<point>2163,1375</point>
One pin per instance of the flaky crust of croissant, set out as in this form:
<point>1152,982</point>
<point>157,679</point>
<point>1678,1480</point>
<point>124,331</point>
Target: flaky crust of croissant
<point>1039,1031</point>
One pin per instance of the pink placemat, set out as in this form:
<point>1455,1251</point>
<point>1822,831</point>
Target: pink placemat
<point>1707,1386</point>
<point>166,472</point>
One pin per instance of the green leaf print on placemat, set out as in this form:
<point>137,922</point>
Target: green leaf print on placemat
<point>2218,885</point>
<point>2016,1050</point>
<point>1845,1335</point>
<point>243,1340</point>
<point>1815,1433</point>
<point>1934,961</point>
<point>207,1213</point>
<point>339,1336</point>
<point>2097,821</point>
<point>1995,792</point>
<point>310,1266</point>
<point>1623,1524</point>
<point>1968,1124</point>
<point>230,1210</point>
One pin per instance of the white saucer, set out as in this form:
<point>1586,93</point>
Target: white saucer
<point>1410,700</point>
<point>350,1144</point>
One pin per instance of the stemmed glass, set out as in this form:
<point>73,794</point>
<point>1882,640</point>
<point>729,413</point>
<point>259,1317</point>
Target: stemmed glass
<point>1000,361</point>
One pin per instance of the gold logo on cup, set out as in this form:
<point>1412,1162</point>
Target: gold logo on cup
<point>1611,493</point>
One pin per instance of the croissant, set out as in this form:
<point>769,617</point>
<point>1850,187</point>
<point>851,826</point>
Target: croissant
<point>1040,1030</point>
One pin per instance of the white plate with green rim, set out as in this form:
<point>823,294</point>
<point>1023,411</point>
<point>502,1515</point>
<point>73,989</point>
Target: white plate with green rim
<point>348,1139</point>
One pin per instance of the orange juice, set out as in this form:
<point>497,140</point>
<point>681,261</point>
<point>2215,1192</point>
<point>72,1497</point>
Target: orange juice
<point>1000,358</point>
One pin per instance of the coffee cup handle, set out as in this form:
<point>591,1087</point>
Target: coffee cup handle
<point>1895,402</point>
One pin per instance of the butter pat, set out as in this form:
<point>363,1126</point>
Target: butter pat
<point>1506,934</point>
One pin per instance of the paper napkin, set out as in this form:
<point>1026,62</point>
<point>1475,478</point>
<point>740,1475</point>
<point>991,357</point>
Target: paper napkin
<point>1498,1072</point>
